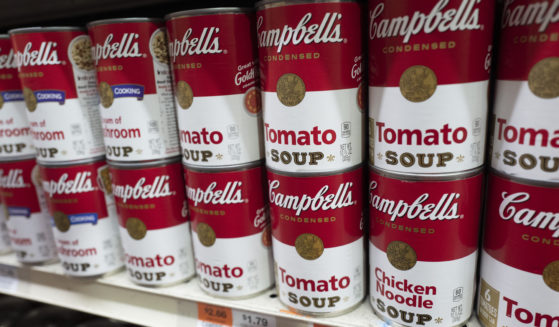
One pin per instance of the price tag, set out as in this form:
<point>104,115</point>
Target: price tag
<point>214,316</point>
<point>8,278</point>
<point>252,319</point>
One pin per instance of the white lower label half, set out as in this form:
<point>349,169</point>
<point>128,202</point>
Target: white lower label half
<point>429,294</point>
<point>332,283</point>
<point>163,256</point>
<point>31,238</point>
<point>4,235</point>
<point>15,134</point>
<point>234,267</point>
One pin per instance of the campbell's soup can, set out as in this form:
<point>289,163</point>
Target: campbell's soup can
<point>520,263</point>
<point>318,240</point>
<point>311,68</point>
<point>524,133</point>
<point>4,235</point>
<point>428,84</point>
<point>15,133</point>
<point>217,94</point>
<point>60,92</point>
<point>28,218</point>
<point>137,105</point>
<point>153,217</point>
<point>423,247</point>
<point>84,219</point>
<point>230,230</point>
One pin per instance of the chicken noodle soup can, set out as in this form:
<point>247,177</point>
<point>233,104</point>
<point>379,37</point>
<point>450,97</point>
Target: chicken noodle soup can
<point>60,92</point>
<point>318,241</point>
<point>218,105</point>
<point>15,133</point>
<point>4,235</point>
<point>137,105</point>
<point>84,219</point>
<point>230,230</point>
<point>428,84</point>
<point>28,219</point>
<point>520,263</point>
<point>311,68</point>
<point>153,217</point>
<point>423,247</point>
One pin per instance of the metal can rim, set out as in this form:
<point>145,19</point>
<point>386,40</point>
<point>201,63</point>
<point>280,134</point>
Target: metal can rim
<point>4,36</point>
<point>522,180</point>
<point>208,11</point>
<point>123,20</point>
<point>129,165</point>
<point>16,159</point>
<point>446,177</point>
<point>224,169</point>
<point>36,29</point>
<point>264,4</point>
<point>307,174</point>
<point>62,164</point>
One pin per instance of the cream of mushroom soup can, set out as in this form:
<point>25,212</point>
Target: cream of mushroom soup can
<point>230,230</point>
<point>519,283</point>
<point>15,133</point>
<point>214,61</point>
<point>28,219</point>
<point>84,219</point>
<point>311,70</point>
<point>318,240</point>
<point>153,217</point>
<point>428,84</point>
<point>4,235</point>
<point>60,91</point>
<point>524,131</point>
<point>135,85</point>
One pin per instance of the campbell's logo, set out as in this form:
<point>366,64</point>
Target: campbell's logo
<point>231,193</point>
<point>81,183</point>
<point>8,60</point>
<point>45,55</point>
<point>126,47</point>
<point>542,13</point>
<point>328,30</point>
<point>323,199</point>
<point>13,179</point>
<point>528,217</point>
<point>441,19</point>
<point>446,208</point>
<point>206,43</point>
<point>159,188</point>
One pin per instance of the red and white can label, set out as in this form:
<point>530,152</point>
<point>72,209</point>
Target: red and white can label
<point>28,222</point>
<point>15,134</point>
<point>230,231</point>
<point>85,223</point>
<point>312,85</point>
<point>60,92</point>
<point>4,235</point>
<point>317,228</point>
<point>423,249</point>
<point>218,106</point>
<point>135,85</point>
<point>520,262</point>
<point>154,227</point>
<point>428,84</point>
<point>525,136</point>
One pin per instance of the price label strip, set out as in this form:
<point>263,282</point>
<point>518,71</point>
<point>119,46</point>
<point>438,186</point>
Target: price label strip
<point>251,319</point>
<point>215,316</point>
<point>8,278</point>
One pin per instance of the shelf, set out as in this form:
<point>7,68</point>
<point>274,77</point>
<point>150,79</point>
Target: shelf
<point>116,297</point>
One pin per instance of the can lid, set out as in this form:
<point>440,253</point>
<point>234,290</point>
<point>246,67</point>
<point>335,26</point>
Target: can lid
<point>277,3</point>
<point>35,29</point>
<point>143,164</point>
<point>123,20</point>
<point>209,11</point>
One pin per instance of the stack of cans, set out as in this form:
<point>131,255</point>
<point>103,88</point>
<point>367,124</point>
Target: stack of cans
<point>428,85</point>
<point>213,55</point>
<point>139,129</point>
<point>310,56</point>
<point>520,259</point>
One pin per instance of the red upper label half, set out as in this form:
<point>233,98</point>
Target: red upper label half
<point>18,180</point>
<point>214,54</point>
<point>43,60</point>
<point>529,33</point>
<point>320,42</point>
<point>522,224</point>
<point>9,80</point>
<point>438,219</point>
<point>451,37</point>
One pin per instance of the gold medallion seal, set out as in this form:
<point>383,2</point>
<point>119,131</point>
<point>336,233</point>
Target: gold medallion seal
<point>1,102</point>
<point>206,234</point>
<point>543,79</point>
<point>401,255</point>
<point>61,221</point>
<point>551,275</point>
<point>106,94</point>
<point>105,180</point>
<point>252,100</point>
<point>7,212</point>
<point>309,246</point>
<point>267,236</point>
<point>30,99</point>
<point>418,83</point>
<point>185,96</point>
<point>136,228</point>
<point>290,89</point>
<point>361,96</point>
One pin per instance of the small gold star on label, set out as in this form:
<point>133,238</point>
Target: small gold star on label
<point>439,320</point>
<point>497,155</point>
<point>139,151</point>
<point>346,298</point>
<point>460,158</point>
<point>219,156</point>
<point>379,156</point>
<point>63,152</point>
<point>331,157</point>
<point>239,287</point>
<point>96,266</point>
<point>172,274</point>
<point>267,153</point>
